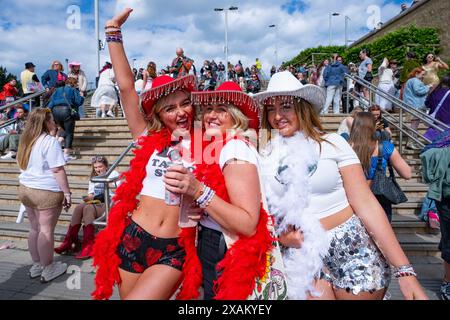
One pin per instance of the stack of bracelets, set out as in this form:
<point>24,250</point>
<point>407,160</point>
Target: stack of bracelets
<point>206,197</point>
<point>404,271</point>
<point>113,34</point>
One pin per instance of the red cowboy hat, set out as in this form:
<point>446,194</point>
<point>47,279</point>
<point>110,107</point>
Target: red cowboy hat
<point>163,86</point>
<point>232,93</point>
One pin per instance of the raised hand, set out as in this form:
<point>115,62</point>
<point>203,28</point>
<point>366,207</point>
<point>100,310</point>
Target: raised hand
<point>120,18</point>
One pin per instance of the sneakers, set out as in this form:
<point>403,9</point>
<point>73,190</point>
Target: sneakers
<point>445,290</point>
<point>9,156</point>
<point>110,114</point>
<point>413,146</point>
<point>69,157</point>
<point>103,115</point>
<point>35,271</point>
<point>53,271</point>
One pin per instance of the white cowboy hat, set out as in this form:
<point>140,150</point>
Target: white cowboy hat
<point>285,84</point>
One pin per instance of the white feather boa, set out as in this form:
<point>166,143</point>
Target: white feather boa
<point>287,166</point>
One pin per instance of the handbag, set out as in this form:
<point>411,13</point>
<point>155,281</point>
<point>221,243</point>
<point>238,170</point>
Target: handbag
<point>73,112</point>
<point>383,185</point>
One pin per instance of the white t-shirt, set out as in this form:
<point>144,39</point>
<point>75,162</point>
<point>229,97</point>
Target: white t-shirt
<point>153,185</point>
<point>99,188</point>
<point>46,154</point>
<point>239,150</point>
<point>327,193</point>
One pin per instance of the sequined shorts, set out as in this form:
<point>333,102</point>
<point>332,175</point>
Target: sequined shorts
<point>354,263</point>
<point>40,199</point>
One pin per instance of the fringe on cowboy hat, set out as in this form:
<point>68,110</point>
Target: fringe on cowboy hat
<point>74,64</point>
<point>285,84</point>
<point>231,92</point>
<point>163,86</point>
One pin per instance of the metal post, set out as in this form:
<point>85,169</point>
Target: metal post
<point>31,105</point>
<point>329,28</point>
<point>97,34</point>
<point>276,45</point>
<point>346,25</point>
<point>107,198</point>
<point>400,147</point>
<point>226,43</point>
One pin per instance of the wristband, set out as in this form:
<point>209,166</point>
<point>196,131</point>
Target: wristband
<point>404,271</point>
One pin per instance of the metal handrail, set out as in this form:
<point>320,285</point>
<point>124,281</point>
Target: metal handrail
<point>404,130</point>
<point>106,180</point>
<point>8,123</point>
<point>401,104</point>
<point>23,99</point>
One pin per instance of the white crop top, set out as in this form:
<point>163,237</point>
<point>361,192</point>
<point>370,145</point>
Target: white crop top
<point>153,185</point>
<point>327,194</point>
<point>239,150</point>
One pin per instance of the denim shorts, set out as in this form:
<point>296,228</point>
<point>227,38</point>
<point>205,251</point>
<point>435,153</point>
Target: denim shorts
<point>139,250</point>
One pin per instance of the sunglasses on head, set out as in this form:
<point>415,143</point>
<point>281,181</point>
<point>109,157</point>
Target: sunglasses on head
<point>98,159</point>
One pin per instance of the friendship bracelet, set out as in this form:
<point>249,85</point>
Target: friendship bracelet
<point>203,196</point>
<point>117,39</point>
<point>206,198</point>
<point>107,27</point>
<point>109,33</point>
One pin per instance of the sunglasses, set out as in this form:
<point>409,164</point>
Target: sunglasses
<point>98,159</point>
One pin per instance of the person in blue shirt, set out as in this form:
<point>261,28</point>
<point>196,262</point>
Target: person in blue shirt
<point>65,99</point>
<point>363,140</point>
<point>414,95</point>
<point>334,76</point>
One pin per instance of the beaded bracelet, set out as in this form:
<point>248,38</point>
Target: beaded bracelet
<point>113,32</point>
<point>116,38</point>
<point>404,271</point>
<point>206,197</point>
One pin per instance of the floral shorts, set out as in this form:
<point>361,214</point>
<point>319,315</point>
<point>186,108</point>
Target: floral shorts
<point>139,250</point>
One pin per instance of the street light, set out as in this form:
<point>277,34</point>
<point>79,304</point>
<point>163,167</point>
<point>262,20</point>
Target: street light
<point>347,18</point>
<point>97,34</point>
<point>331,14</point>
<point>226,35</point>
<point>276,43</point>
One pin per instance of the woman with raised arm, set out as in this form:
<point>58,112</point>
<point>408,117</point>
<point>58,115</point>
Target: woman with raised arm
<point>335,233</point>
<point>141,249</point>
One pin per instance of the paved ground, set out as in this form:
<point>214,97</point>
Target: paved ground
<point>16,285</point>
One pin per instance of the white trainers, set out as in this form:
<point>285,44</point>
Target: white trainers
<point>9,156</point>
<point>110,114</point>
<point>103,115</point>
<point>69,157</point>
<point>35,271</point>
<point>53,271</point>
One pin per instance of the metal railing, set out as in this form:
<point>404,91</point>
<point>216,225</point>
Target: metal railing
<point>404,109</point>
<point>8,123</point>
<point>28,99</point>
<point>106,180</point>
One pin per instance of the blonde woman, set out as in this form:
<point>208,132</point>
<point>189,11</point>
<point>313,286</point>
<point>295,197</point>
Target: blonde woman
<point>339,243</point>
<point>149,76</point>
<point>44,190</point>
<point>233,232</point>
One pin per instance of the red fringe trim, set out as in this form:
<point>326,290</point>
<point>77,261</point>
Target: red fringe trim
<point>105,256</point>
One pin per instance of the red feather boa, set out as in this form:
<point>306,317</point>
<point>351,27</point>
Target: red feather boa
<point>245,261</point>
<point>105,248</point>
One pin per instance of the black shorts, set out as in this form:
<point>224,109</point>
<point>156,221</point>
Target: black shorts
<point>139,250</point>
<point>443,209</point>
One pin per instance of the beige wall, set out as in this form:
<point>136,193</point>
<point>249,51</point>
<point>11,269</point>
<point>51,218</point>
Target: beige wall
<point>430,13</point>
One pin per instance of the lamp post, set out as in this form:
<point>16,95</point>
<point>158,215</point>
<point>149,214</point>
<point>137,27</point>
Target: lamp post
<point>97,34</point>
<point>347,18</point>
<point>331,14</point>
<point>276,43</point>
<point>226,35</point>
<point>67,65</point>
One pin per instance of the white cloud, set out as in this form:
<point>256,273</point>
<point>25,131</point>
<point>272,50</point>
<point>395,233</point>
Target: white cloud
<point>36,31</point>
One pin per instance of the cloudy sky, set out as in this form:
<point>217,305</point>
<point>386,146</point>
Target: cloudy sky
<point>44,30</point>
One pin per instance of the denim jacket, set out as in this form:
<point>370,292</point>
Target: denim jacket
<point>334,74</point>
<point>72,95</point>
<point>415,93</point>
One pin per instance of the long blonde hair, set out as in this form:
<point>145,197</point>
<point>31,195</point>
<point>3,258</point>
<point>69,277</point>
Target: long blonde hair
<point>58,62</point>
<point>307,117</point>
<point>35,126</point>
